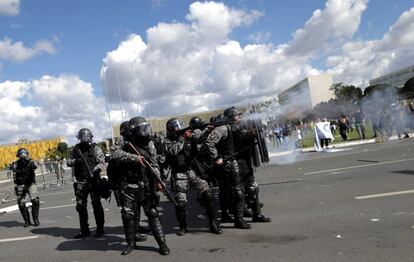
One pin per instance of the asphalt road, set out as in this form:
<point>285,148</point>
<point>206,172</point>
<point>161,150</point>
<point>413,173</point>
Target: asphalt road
<point>354,204</point>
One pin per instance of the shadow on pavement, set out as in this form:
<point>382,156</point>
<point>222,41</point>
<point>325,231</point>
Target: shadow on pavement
<point>68,233</point>
<point>196,219</point>
<point>10,224</point>
<point>109,242</point>
<point>405,172</point>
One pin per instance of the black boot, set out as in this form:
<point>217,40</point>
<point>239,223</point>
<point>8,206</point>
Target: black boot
<point>181,217</point>
<point>25,214</point>
<point>99,215</point>
<point>242,224</point>
<point>182,230</point>
<point>261,218</point>
<point>164,250</point>
<point>99,231</point>
<point>158,232</point>
<point>257,210</point>
<point>82,234</point>
<point>83,221</point>
<point>35,212</point>
<point>128,249</point>
<point>129,230</point>
<point>211,214</point>
<point>238,214</point>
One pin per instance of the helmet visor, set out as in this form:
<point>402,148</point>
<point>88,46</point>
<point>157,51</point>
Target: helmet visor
<point>175,125</point>
<point>23,153</point>
<point>143,129</point>
<point>85,136</point>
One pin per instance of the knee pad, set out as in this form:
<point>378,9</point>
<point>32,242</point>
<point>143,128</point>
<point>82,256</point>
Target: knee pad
<point>238,194</point>
<point>21,204</point>
<point>152,213</point>
<point>181,198</point>
<point>81,207</point>
<point>253,191</point>
<point>127,216</point>
<point>35,201</point>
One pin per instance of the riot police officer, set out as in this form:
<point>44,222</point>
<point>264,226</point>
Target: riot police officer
<point>180,150</point>
<point>88,161</point>
<point>25,181</point>
<point>137,187</point>
<point>221,147</point>
<point>245,138</point>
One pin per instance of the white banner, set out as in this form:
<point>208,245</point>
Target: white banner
<point>322,130</point>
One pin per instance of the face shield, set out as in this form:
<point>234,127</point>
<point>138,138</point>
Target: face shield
<point>22,153</point>
<point>85,136</point>
<point>142,130</point>
<point>174,126</point>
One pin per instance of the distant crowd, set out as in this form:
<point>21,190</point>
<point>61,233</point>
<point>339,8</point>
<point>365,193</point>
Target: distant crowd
<point>384,122</point>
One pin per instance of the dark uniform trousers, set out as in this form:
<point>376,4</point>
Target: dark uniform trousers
<point>84,188</point>
<point>134,196</point>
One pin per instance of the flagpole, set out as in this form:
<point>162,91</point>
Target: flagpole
<point>120,99</point>
<point>107,106</point>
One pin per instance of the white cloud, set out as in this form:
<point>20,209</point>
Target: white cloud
<point>9,7</point>
<point>188,67</point>
<point>60,106</point>
<point>360,61</point>
<point>339,19</point>
<point>260,37</point>
<point>197,66</point>
<point>17,52</point>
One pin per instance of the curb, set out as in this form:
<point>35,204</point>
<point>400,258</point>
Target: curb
<point>342,144</point>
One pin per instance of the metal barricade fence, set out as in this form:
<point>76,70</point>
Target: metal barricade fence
<point>54,173</point>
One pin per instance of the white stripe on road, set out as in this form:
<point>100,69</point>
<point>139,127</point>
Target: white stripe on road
<point>17,239</point>
<point>58,193</point>
<point>360,166</point>
<point>13,209</point>
<point>386,194</point>
<point>55,207</point>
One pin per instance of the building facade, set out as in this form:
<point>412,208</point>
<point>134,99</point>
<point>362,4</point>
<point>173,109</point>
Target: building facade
<point>307,93</point>
<point>397,78</point>
<point>38,149</point>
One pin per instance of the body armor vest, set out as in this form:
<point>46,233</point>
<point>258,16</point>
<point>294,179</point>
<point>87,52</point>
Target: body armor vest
<point>88,153</point>
<point>225,147</point>
<point>25,174</point>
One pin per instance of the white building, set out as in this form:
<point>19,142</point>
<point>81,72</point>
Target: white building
<point>309,92</point>
<point>397,78</point>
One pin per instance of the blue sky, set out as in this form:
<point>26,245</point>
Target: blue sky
<point>86,30</point>
<point>173,57</point>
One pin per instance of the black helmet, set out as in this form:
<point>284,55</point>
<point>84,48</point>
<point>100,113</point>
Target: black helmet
<point>22,153</point>
<point>139,127</point>
<point>195,122</point>
<point>173,125</point>
<point>219,118</point>
<point>124,129</point>
<point>85,136</point>
<point>231,113</point>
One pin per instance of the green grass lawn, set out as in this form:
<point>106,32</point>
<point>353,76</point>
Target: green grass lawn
<point>352,135</point>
